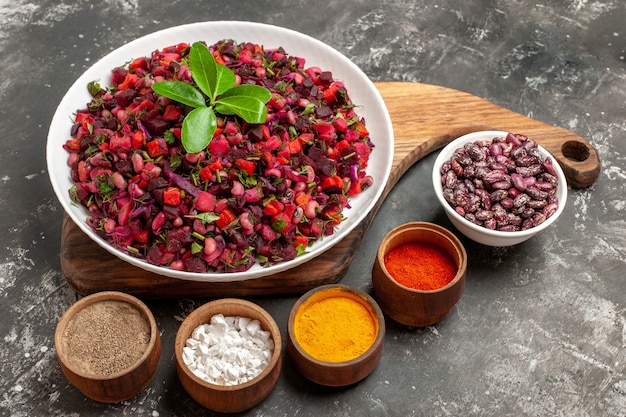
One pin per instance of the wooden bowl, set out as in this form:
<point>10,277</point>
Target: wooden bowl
<point>234,398</point>
<point>410,306</point>
<point>96,330</point>
<point>331,372</point>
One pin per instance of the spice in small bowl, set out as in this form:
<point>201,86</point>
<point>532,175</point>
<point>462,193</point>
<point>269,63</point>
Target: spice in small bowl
<point>420,265</point>
<point>108,346</point>
<point>419,273</point>
<point>229,350</point>
<point>336,335</point>
<point>228,355</point>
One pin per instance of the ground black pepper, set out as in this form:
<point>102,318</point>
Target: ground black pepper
<point>106,337</point>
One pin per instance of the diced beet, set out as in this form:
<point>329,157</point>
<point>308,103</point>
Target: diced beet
<point>172,112</point>
<point>323,112</point>
<point>125,97</point>
<point>205,201</point>
<point>118,75</point>
<point>155,125</point>
<point>256,134</point>
<point>219,146</point>
<point>326,166</point>
<point>178,239</point>
<point>195,264</point>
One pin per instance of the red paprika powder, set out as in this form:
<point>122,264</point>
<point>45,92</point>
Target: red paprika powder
<point>421,266</point>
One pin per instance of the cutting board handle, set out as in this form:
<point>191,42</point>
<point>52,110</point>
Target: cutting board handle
<point>427,117</point>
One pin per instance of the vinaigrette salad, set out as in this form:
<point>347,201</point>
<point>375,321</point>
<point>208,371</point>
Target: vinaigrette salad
<point>258,193</point>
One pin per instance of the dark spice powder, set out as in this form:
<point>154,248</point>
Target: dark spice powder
<point>106,337</point>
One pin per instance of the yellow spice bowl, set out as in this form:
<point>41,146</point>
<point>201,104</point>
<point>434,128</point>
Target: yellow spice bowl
<point>413,307</point>
<point>335,335</point>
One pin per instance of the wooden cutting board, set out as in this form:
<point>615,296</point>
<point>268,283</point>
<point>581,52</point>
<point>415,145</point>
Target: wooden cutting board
<point>425,118</point>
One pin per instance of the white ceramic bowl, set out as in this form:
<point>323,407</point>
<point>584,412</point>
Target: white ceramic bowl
<point>481,234</point>
<point>361,90</point>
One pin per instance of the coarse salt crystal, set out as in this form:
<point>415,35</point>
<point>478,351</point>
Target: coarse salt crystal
<point>188,355</point>
<point>200,374</point>
<point>232,373</point>
<point>204,349</point>
<point>214,373</point>
<point>198,332</point>
<point>192,343</point>
<point>229,350</point>
<point>253,327</point>
<point>243,322</point>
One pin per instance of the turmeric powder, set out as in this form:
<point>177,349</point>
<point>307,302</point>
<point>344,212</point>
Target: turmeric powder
<point>335,326</point>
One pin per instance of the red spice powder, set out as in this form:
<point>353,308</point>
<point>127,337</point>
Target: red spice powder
<point>420,266</point>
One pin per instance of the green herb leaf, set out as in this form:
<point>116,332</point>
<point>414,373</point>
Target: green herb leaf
<point>211,78</point>
<point>179,91</point>
<point>309,109</point>
<point>218,83</point>
<point>301,250</point>
<point>251,109</point>
<point>196,248</point>
<point>249,90</point>
<point>198,129</point>
<point>93,87</point>
<point>169,137</point>
<point>245,100</point>
<point>207,217</point>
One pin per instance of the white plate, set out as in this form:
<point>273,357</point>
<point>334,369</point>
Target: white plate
<point>362,92</point>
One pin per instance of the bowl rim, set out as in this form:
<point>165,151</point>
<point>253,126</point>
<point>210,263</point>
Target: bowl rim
<point>366,299</point>
<point>247,305</point>
<point>94,298</point>
<point>433,228</point>
<point>314,51</point>
<point>445,154</point>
